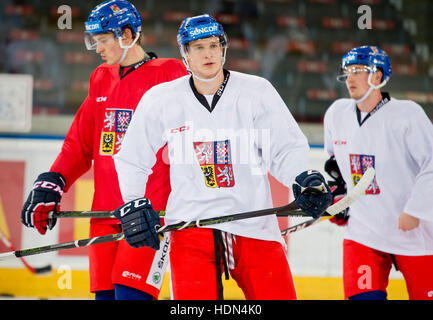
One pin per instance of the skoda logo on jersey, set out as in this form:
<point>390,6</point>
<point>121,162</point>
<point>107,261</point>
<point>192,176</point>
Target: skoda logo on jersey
<point>209,29</point>
<point>93,26</point>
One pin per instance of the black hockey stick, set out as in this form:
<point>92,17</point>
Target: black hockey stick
<point>287,210</point>
<point>109,214</point>
<point>62,246</point>
<point>281,211</point>
<point>89,214</point>
<point>303,225</point>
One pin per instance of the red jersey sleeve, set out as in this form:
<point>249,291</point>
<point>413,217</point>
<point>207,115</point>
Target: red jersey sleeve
<point>76,154</point>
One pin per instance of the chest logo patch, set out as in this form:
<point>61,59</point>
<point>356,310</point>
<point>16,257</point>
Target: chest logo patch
<point>215,162</point>
<point>359,163</point>
<point>116,122</point>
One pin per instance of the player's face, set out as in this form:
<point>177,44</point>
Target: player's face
<point>107,46</point>
<point>357,80</point>
<point>205,57</point>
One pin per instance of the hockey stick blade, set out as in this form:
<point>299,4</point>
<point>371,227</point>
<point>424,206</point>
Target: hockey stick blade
<point>354,194</point>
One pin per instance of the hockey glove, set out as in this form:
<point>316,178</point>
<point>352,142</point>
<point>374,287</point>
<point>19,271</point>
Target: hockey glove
<point>139,223</point>
<point>338,189</point>
<point>331,168</point>
<point>42,200</point>
<point>312,193</point>
<point>341,218</point>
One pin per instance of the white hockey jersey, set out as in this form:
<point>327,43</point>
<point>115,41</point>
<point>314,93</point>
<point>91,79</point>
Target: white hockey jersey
<point>218,160</point>
<point>397,140</point>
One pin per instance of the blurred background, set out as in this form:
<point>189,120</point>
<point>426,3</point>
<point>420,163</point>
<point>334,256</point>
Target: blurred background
<point>296,44</point>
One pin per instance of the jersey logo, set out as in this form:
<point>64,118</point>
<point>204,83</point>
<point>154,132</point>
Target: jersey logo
<point>101,99</point>
<point>215,162</point>
<point>359,163</point>
<point>116,122</point>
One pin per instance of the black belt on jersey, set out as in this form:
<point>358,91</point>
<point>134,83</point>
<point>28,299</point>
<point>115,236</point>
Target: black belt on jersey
<point>220,256</point>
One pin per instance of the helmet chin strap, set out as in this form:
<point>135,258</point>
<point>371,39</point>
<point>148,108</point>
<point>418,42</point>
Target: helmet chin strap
<point>204,79</point>
<point>372,87</point>
<point>126,48</point>
<point>188,68</point>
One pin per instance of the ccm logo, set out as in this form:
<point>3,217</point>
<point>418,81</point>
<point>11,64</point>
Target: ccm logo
<point>340,142</point>
<point>180,129</point>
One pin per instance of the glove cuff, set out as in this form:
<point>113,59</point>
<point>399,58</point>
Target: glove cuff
<point>53,177</point>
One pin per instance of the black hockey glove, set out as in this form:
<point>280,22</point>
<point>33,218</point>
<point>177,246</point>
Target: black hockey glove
<point>139,223</point>
<point>312,193</point>
<point>338,189</point>
<point>331,168</point>
<point>42,200</point>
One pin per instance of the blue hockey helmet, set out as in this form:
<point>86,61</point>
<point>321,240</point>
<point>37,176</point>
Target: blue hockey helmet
<point>199,27</point>
<point>112,16</point>
<point>372,57</point>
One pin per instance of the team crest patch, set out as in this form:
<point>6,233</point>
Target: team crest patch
<point>114,8</point>
<point>215,162</point>
<point>359,163</point>
<point>116,122</point>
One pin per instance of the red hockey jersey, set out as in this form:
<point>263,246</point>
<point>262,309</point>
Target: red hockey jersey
<point>100,124</point>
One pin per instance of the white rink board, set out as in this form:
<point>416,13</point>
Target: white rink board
<point>16,96</point>
<point>315,251</point>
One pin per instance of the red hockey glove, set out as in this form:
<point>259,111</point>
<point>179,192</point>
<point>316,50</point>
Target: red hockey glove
<point>341,218</point>
<point>42,200</point>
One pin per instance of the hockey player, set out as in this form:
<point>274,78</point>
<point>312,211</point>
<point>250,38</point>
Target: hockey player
<point>393,221</point>
<point>113,29</point>
<point>214,170</point>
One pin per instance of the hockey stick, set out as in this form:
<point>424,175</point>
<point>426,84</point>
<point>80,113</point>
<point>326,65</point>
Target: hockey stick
<point>109,214</point>
<point>62,246</point>
<point>289,210</point>
<point>353,195</point>
<point>34,270</point>
<point>303,225</point>
<point>89,214</point>
<point>332,210</point>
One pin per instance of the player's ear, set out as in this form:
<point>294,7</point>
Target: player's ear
<point>127,36</point>
<point>377,77</point>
